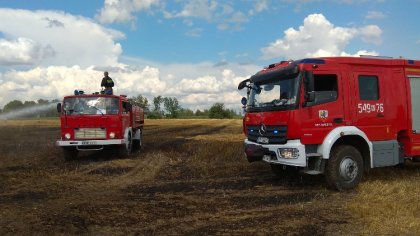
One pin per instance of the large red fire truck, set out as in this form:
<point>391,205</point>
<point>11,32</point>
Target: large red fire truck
<point>95,121</point>
<point>337,116</point>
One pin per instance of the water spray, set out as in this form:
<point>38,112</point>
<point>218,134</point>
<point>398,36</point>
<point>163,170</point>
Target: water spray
<point>26,111</point>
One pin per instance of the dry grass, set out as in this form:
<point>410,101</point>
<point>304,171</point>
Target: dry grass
<point>388,201</point>
<point>190,178</point>
<point>31,122</point>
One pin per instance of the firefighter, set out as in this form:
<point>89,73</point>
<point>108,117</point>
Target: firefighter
<point>107,83</point>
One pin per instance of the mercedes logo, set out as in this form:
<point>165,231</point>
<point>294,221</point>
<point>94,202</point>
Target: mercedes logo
<point>262,130</point>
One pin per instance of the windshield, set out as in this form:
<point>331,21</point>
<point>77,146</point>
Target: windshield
<point>90,106</point>
<point>278,95</point>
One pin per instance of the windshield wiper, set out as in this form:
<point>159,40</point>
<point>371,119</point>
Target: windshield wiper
<point>98,110</point>
<point>279,102</point>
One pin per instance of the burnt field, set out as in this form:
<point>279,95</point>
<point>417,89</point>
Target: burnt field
<point>191,177</point>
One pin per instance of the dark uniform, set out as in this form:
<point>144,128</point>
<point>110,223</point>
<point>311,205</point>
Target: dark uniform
<point>108,84</point>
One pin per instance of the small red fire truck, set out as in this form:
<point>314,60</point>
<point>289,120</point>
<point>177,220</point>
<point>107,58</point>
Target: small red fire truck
<point>336,116</point>
<point>95,121</point>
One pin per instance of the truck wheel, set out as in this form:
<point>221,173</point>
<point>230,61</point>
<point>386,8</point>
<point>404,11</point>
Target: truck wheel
<point>284,171</point>
<point>125,150</point>
<point>70,153</point>
<point>137,143</point>
<point>344,169</point>
<point>416,159</point>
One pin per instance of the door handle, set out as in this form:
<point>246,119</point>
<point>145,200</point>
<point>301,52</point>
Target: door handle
<point>338,120</point>
<point>380,115</point>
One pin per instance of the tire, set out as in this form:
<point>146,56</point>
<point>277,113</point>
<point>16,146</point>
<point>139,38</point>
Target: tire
<point>138,143</point>
<point>125,150</point>
<point>284,171</point>
<point>70,153</point>
<point>344,169</point>
<point>416,159</point>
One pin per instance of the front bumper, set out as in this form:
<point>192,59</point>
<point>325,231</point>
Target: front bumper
<point>77,143</point>
<point>269,153</point>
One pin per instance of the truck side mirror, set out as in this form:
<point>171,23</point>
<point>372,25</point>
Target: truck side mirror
<point>59,107</point>
<point>243,84</point>
<point>309,86</point>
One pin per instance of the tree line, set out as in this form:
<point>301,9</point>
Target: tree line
<point>168,107</point>
<point>161,107</point>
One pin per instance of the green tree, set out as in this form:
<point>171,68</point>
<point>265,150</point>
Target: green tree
<point>42,101</point>
<point>13,105</point>
<point>140,101</point>
<point>172,107</point>
<point>157,110</point>
<point>157,101</point>
<point>29,103</point>
<point>218,111</point>
<point>185,112</point>
<point>202,114</point>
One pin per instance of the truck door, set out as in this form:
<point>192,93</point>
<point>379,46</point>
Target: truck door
<point>326,112</point>
<point>415,113</point>
<point>370,106</point>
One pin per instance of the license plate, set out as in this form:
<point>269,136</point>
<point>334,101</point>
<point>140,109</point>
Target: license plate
<point>262,140</point>
<point>88,142</point>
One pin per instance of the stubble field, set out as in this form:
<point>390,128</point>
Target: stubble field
<point>191,177</point>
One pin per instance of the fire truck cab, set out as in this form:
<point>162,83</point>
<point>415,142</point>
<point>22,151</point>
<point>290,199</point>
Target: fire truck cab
<point>336,116</point>
<point>91,122</point>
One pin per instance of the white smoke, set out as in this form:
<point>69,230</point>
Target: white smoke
<point>37,109</point>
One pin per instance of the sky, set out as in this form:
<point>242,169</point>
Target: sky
<point>195,50</point>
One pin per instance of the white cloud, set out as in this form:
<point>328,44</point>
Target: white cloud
<point>261,5</point>
<point>318,37</point>
<point>360,53</point>
<point>222,14</point>
<point>375,15</point>
<point>121,11</point>
<point>67,52</point>
<point>371,34</point>
<point>196,8</point>
<point>204,84</point>
<point>56,38</point>
<point>23,51</point>
<point>195,32</point>
<point>197,86</point>
<point>56,81</point>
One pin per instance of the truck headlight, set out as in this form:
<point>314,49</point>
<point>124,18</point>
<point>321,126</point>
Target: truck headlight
<point>112,135</point>
<point>67,136</point>
<point>288,153</point>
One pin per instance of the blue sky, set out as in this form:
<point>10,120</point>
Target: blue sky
<point>195,50</point>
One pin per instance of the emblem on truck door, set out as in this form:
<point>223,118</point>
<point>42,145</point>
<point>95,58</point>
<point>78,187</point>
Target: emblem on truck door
<point>323,115</point>
<point>263,129</point>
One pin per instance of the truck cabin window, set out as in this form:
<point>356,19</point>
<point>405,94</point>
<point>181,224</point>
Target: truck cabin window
<point>368,87</point>
<point>90,106</point>
<point>274,95</point>
<point>325,88</point>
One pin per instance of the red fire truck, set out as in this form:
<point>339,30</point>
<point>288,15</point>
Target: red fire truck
<point>336,116</point>
<point>93,122</point>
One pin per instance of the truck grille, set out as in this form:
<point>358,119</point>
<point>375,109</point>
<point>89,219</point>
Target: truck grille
<point>275,134</point>
<point>90,133</point>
